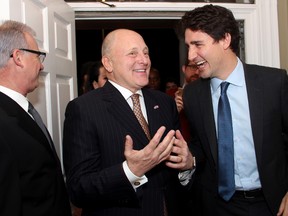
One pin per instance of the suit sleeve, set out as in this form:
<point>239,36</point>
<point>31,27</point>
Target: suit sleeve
<point>10,195</point>
<point>284,96</point>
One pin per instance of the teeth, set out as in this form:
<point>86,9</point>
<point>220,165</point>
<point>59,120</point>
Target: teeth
<point>200,63</point>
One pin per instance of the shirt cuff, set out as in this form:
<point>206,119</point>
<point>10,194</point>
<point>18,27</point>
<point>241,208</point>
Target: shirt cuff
<point>134,180</point>
<point>185,176</point>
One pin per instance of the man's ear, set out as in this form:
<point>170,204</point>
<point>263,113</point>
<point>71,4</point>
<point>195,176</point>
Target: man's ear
<point>17,57</point>
<point>226,41</point>
<point>107,64</point>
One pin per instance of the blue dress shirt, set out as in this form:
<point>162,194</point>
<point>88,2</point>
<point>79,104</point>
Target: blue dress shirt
<point>246,171</point>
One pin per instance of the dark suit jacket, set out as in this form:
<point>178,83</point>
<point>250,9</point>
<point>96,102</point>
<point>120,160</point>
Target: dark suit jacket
<point>95,127</point>
<point>267,90</point>
<point>31,182</point>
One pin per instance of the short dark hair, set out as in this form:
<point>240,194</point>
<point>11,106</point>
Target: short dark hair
<point>214,20</point>
<point>94,71</point>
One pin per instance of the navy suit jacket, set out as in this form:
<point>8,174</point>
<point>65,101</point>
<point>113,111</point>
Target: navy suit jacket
<point>267,90</point>
<point>95,127</point>
<point>31,181</point>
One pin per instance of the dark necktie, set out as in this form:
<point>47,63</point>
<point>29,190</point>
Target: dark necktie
<point>40,123</point>
<point>139,115</point>
<point>226,184</point>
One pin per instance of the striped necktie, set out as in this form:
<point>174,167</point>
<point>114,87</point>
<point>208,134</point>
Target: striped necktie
<point>139,115</point>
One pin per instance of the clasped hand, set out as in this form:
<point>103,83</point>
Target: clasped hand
<point>173,149</point>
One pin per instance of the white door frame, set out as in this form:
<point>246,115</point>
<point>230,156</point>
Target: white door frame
<point>260,29</point>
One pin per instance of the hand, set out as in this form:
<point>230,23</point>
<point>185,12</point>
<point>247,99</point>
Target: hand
<point>283,210</point>
<point>141,161</point>
<point>181,157</point>
<point>179,101</point>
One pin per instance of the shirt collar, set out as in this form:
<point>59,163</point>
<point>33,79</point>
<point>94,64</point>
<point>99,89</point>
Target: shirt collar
<point>235,78</point>
<point>16,96</point>
<point>125,92</point>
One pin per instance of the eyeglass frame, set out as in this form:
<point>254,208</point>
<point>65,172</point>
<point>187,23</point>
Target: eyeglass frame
<point>192,67</point>
<point>41,55</point>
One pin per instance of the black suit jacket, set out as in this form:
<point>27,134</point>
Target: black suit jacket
<point>267,90</point>
<point>31,182</point>
<point>95,127</point>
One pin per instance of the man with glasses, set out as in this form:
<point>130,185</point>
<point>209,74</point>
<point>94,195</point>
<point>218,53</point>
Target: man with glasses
<point>31,181</point>
<point>41,55</point>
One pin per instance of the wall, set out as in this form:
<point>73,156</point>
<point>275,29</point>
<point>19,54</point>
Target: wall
<point>283,32</point>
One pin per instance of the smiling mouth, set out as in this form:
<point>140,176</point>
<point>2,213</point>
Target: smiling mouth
<point>140,70</point>
<point>200,63</point>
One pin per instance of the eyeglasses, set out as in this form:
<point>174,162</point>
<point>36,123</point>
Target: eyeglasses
<point>41,55</point>
<point>192,67</point>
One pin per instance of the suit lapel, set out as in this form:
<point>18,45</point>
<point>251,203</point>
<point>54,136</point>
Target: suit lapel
<point>153,109</point>
<point>255,100</point>
<point>208,117</point>
<point>120,109</point>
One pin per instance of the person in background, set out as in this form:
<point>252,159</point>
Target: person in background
<point>258,98</point>
<point>93,76</point>
<point>31,180</point>
<point>191,73</point>
<point>97,75</point>
<point>114,167</point>
<point>154,79</point>
<point>85,85</point>
<point>171,86</point>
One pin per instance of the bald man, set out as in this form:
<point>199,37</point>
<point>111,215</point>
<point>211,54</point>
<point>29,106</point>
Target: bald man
<point>113,168</point>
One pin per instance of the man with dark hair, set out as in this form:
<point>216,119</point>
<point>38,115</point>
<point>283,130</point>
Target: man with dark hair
<point>247,104</point>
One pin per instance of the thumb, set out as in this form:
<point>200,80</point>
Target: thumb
<point>128,145</point>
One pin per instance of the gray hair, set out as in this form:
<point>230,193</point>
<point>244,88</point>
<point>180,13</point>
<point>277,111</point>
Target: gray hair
<point>12,36</point>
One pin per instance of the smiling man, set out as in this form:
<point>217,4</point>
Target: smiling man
<point>257,103</point>
<point>114,167</point>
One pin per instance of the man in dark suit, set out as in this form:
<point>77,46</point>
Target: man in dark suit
<point>112,166</point>
<point>31,181</point>
<point>258,98</point>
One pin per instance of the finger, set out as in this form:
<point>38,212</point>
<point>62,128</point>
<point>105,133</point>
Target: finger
<point>282,209</point>
<point>179,135</point>
<point>173,165</point>
<point>168,140</point>
<point>156,138</point>
<point>128,145</point>
<point>163,149</point>
<point>167,150</point>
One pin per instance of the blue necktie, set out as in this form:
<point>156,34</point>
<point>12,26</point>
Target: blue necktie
<point>226,182</point>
